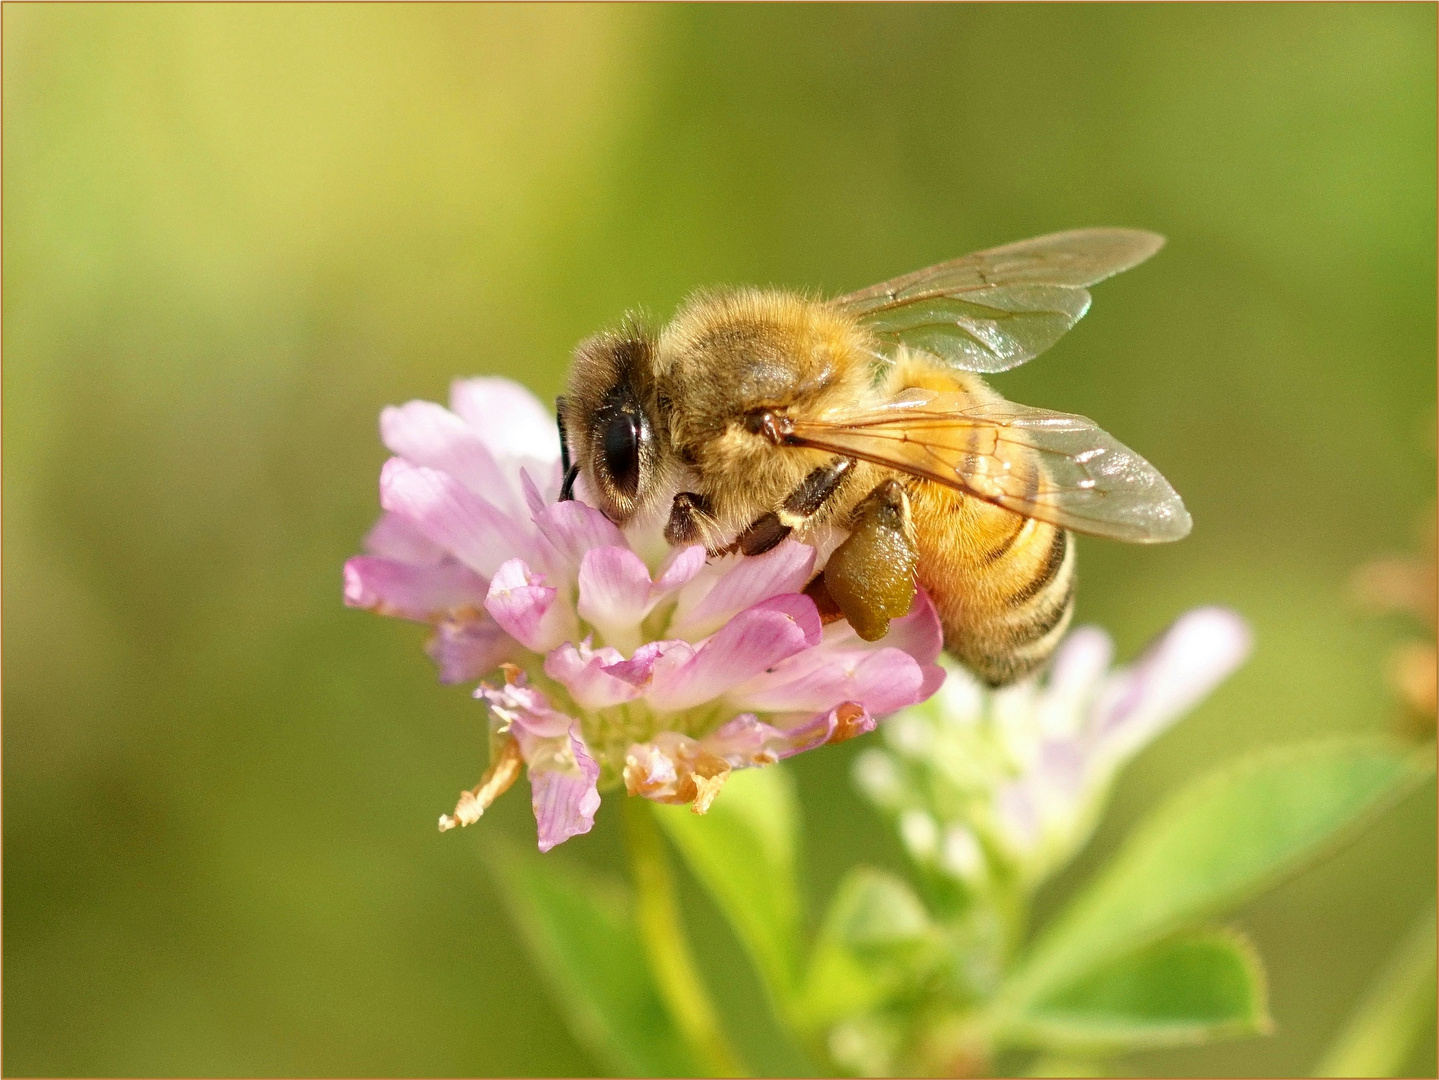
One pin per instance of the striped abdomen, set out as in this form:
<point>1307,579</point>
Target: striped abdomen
<point>1003,584</point>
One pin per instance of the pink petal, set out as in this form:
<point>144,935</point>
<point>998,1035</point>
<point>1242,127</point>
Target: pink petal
<point>843,722</point>
<point>639,669</point>
<point>467,649</point>
<point>614,593</point>
<point>527,609</point>
<point>563,775</point>
<point>582,671</point>
<point>450,515</point>
<point>917,633</point>
<point>526,713</point>
<point>1081,661</point>
<point>565,794</point>
<point>749,643</point>
<point>740,582</point>
<point>1051,790</point>
<point>747,741</point>
<point>572,528</point>
<point>678,570</point>
<point>1060,771</point>
<point>547,476</point>
<point>821,678</point>
<point>427,434</point>
<point>422,593</point>
<point>535,501</point>
<point>509,418</point>
<point>395,538</point>
<point>1192,657</point>
<point>933,678</point>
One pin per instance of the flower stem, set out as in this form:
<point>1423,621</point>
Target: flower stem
<point>666,947</point>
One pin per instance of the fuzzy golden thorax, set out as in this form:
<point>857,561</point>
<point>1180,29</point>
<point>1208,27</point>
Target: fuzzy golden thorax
<point>730,354</point>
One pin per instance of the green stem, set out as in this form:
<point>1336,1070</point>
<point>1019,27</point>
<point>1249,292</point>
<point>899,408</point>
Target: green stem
<point>1011,902</point>
<point>1382,1033</point>
<point>666,947</point>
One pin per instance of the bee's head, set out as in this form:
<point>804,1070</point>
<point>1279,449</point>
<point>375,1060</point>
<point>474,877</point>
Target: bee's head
<point>610,421</point>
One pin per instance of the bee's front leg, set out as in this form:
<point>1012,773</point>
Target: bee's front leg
<point>691,521</point>
<point>870,577</point>
<point>803,503</point>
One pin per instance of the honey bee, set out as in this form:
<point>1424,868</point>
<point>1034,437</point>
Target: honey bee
<point>775,414</point>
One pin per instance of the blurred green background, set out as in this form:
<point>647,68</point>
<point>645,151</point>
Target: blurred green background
<point>233,233</point>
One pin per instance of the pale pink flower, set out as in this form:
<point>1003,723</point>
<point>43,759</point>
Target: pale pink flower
<point>626,663</point>
<point>1021,774</point>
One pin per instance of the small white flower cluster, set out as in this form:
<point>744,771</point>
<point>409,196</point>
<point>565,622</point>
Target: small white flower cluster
<point>1008,784</point>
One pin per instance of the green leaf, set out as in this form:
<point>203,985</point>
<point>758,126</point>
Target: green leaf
<point>581,931</point>
<point>667,949</point>
<point>743,852</point>
<point>874,929</point>
<point>1381,1035</point>
<point>1187,989</point>
<point>1215,843</point>
<point>875,915</point>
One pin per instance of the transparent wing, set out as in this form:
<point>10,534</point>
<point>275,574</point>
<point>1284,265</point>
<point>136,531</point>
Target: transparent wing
<point>993,310</point>
<point>1053,466</point>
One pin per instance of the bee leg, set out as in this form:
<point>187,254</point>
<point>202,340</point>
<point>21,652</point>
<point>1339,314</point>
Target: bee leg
<point>691,521</point>
<point>870,577</point>
<point>803,503</point>
<point>567,489</point>
<point>764,533</point>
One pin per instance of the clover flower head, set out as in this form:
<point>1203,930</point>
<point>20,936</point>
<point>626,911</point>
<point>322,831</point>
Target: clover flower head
<point>1013,780</point>
<point>626,663</point>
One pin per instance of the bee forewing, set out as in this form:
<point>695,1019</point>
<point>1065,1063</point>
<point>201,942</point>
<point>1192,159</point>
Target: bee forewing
<point>1057,467</point>
<point>995,309</point>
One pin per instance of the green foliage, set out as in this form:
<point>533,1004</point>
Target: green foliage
<point>1215,843</point>
<point>666,946</point>
<point>1188,989</point>
<point>743,852</point>
<point>582,931</point>
<point>871,936</point>
<point>1381,1036</point>
<point>1124,967</point>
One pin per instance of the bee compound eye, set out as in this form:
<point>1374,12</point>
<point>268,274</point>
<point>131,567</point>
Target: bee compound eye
<point>622,453</point>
